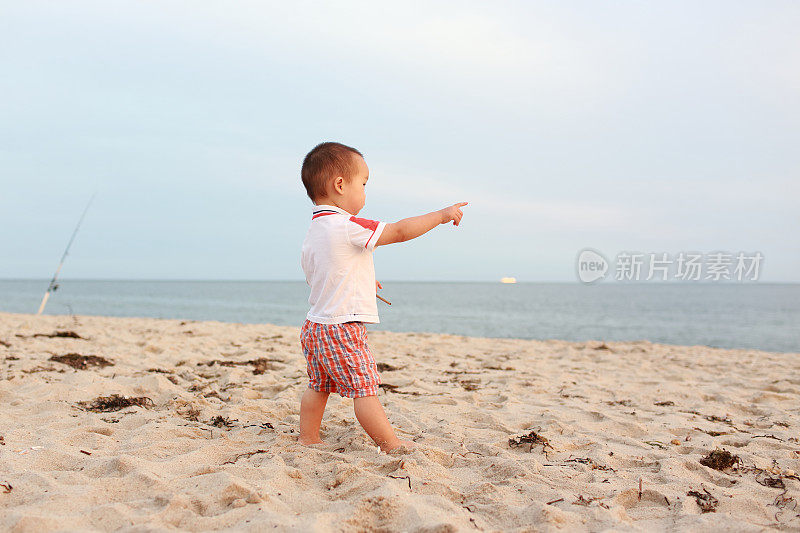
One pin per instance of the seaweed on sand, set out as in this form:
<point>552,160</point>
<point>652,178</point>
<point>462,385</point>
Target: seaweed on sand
<point>59,333</point>
<point>720,460</point>
<point>81,362</point>
<point>160,371</point>
<point>115,402</point>
<point>722,419</point>
<point>192,414</point>
<point>247,454</point>
<point>589,461</point>
<point>775,482</point>
<point>395,389</point>
<point>532,438</point>
<point>713,433</point>
<point>772,477</point>
<point>707,502</point>
<point>222,422</point>
<point>495,367</point>
<point>260,365</point>
<point>470,384</point>
<point>40,368</point>
<point>586,502</point>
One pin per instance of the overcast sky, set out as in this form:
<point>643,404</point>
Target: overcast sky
<point>641,126</point>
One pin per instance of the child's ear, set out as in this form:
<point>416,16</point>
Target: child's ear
<point>338,184</point>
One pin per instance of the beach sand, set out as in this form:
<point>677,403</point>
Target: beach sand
<point>214,445</point>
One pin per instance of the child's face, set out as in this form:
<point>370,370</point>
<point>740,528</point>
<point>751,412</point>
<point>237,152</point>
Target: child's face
<point>354,194</point>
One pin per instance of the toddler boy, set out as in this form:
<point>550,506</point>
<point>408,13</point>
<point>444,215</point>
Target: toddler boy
<point>337,261</point>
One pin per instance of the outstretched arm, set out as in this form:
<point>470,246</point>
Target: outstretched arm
<point>411,228</point>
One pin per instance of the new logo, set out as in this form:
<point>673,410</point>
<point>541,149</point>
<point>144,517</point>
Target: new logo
<point>591,265</point>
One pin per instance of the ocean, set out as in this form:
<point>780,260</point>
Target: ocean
<point>756,315</point>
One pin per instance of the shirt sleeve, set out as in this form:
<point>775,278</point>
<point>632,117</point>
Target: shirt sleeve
<point>364,233</point>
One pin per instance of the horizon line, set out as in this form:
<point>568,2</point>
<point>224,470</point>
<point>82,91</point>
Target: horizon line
<point>606,282</point>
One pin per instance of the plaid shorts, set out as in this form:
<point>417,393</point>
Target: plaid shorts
<point>338,359</point>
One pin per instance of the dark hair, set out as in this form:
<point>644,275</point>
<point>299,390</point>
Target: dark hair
<point>323,163</point>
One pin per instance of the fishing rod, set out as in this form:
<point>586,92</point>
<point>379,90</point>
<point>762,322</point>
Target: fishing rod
<point>53,285</point>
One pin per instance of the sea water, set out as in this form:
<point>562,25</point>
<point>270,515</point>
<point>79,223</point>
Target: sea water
<point>727,315</point>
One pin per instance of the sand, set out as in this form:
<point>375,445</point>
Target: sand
<point>214,446</point>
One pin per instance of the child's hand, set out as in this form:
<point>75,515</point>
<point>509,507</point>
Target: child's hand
<point>453,213</point>
<point>379,286</point>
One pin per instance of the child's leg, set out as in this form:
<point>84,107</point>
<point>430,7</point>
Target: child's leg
<point>312,407</point>
<point>371,416</point>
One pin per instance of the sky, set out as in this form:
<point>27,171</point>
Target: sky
<point>620,126</point>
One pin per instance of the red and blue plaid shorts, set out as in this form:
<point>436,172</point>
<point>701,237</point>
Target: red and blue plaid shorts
<point>338,359</point>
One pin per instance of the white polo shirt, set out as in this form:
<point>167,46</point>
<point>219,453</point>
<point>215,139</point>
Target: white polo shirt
<point>337,261</point>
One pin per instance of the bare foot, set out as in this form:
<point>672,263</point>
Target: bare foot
<point>305,441</point>
<point>400,444</point>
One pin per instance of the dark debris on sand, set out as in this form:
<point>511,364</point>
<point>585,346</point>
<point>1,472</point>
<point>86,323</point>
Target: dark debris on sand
<point>222,422</point>
<point>589,461</point>
<point>59,333</point>
<point>713,433</point>
<point>247,454</point>
<point>192,414</point>
<point>721,419</point>
<point>41,368</point>
<point>260,365</point>
<point>160,370</point>
<point>720,460</point>
<point>531,438</point>
<point>169,374</point>
<point>265,338</point>
<point>81,362</point>
<point>115,402</point>
<point>470,384</point>
<point>495,367</point>
<point>395,389</point>
<point>775,482</point>
<point>707,502</point>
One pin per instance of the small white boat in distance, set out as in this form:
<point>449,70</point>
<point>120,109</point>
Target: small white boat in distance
<point>508,280</point>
